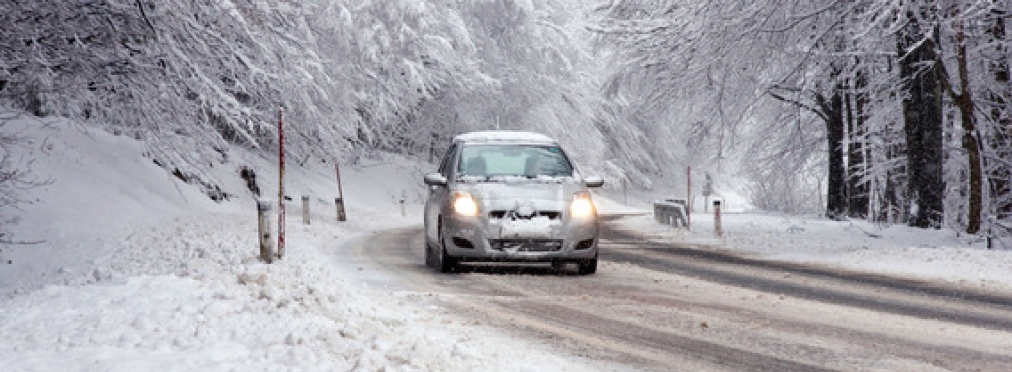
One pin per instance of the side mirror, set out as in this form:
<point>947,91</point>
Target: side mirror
<point>435,179</point>
<point>593,181</point>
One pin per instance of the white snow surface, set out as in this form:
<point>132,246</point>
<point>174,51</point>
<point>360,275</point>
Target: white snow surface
<point>139,271</point>
<point>134,269</point>
<point>503,135</point>
<point>941,255</point>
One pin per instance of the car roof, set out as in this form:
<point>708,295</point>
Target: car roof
<point>503,136</point>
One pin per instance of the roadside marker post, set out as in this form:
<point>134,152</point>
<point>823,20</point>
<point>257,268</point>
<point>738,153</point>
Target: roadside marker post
<point>281,185</point>
<point>625,191</point>
<point>264,229</point>
<point>404,195</point>
<point>717,228</point>
<point>340,209</point>
<point>339,201</point>
<point>688,197</point>
<point>305,209</point>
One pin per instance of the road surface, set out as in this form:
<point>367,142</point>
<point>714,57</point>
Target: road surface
<point>661,307</point>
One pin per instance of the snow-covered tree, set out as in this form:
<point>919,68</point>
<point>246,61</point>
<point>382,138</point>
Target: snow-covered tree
<point>193,78</point>
<point>871,71</point>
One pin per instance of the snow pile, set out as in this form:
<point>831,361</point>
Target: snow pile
<point>139,271</point>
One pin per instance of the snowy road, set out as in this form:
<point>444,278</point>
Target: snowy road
<point>654,306</point>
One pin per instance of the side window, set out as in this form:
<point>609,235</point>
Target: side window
<point>444,167</point>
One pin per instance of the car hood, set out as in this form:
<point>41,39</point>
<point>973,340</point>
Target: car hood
<point>510,194</point>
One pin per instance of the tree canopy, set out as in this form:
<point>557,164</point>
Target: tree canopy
<point>817,105</point>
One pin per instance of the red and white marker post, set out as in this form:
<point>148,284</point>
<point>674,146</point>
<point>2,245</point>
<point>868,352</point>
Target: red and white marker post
<point>281,185</point>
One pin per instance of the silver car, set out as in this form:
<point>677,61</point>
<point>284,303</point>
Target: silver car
<point>509,196</point>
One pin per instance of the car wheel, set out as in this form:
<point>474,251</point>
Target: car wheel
<point>587,267</point>
<point>445,263</point>
<point>429,257</point>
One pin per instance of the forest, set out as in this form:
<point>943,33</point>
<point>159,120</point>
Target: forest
<point>895,111</point>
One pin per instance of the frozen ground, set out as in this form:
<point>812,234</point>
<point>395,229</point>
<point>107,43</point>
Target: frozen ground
<point>135,270</point>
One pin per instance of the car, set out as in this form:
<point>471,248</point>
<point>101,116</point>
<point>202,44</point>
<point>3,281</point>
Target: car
<point>510,196</point>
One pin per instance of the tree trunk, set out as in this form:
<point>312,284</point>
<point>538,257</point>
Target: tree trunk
<point>1001,174</point>
<point>857,189</point>
<point>898,203</point>
<point>922,117</point>
<point>964,101</point>
<point>836,195</point>
<point>893,203</point>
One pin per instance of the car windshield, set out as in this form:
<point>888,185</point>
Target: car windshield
<point>497,160</point>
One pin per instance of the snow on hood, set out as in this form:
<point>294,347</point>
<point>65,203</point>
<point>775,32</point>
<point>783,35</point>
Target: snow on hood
<point>544,188</point>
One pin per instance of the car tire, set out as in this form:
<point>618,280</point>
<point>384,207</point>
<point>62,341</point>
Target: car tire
<point>444,262</point>
<point>430,258</point>
<point>588,266</point>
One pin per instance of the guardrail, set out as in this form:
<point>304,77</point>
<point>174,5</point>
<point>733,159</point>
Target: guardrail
<point>671,212</point>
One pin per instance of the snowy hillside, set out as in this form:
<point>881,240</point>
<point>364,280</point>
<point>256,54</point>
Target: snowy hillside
<point>139,271</point>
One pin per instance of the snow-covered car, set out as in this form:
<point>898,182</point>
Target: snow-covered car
<point>510,196</point>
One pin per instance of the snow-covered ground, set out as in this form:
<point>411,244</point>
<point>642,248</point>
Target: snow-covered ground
<point>136,270</point>
<point>926,254</point>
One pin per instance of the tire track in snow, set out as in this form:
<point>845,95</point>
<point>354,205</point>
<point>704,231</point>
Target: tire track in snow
<point>622,320</point>
<point>889,294</point>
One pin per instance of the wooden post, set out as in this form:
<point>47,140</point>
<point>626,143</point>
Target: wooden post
<point>305,209</point>
<point>340,195</point>
<point>340,209</point>
<point>266,243</point>
<point>281,185</point>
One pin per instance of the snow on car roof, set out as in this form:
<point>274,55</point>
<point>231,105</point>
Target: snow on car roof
<point>503,136</point>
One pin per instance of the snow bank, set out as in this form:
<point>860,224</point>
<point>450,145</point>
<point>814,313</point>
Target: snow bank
<point>221,309</point>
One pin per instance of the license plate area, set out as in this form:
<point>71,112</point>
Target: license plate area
<point>535,228</point>
<point>526,245</point>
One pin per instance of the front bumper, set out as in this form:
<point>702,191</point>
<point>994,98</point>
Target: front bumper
<point>542,238</point>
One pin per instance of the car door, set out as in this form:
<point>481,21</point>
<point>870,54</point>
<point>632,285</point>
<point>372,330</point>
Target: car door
<point>438,196</point>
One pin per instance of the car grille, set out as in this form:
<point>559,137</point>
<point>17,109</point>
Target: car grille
<point>552,215</point>
<point>526,245</point>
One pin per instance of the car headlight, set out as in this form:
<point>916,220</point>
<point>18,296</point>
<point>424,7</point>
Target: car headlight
<point>582,206</point>
<point>464,204</point>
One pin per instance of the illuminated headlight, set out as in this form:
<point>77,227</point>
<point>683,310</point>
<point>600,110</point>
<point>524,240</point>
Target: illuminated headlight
<point>464,204</point>
<point>582,206</point>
